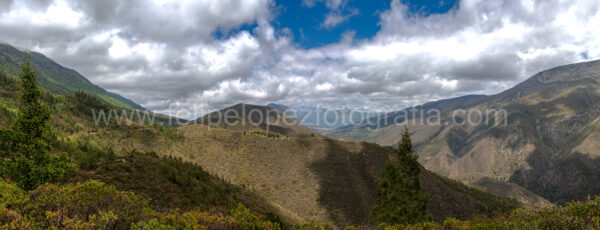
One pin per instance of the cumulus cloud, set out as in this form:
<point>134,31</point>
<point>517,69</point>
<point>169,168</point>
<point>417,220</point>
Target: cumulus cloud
<point>164,54</point>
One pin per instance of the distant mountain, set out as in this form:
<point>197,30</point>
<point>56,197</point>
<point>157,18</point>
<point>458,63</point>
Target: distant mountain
<point>243,117</point>
<point>373,129</point>
<point>283,109</point>
<point>56,78</point>
<point>322,120</point>
<point>548,145</point>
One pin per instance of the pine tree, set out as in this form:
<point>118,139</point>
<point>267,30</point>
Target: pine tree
<point>28,161</point>
<point>399,200</point>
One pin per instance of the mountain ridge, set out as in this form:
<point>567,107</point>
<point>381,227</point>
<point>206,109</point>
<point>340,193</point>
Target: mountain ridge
<point>57,78</point>
<point>546,146</point>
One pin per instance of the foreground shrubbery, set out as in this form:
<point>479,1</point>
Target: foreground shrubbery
<point>95,205</point>
<point>575,215</point>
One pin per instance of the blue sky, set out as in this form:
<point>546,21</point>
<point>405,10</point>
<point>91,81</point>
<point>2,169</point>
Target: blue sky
<point>305,21</point>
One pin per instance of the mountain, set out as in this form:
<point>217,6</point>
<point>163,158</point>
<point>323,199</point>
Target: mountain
<point>251,117</point>
<point>322,120</point>
<point>280,168</point>
<point>305,176</point>
<point>383,128</point>
<point>283,109</point>
<point>541,134</point>
<point>56,78</point>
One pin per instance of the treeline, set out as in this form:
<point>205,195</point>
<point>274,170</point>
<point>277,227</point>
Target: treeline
<point>86,102</point>
<point>7,82</point>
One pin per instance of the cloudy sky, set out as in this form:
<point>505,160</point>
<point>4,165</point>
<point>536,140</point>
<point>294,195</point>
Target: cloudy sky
<point>200,54</point>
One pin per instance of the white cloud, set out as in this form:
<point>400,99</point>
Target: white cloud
<point>335,18</point>
<point>56,14</point>
<point>164,55</point>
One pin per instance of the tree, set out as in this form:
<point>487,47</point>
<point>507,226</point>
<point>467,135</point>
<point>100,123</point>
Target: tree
<point>398,197</point>
<point>26,158</point>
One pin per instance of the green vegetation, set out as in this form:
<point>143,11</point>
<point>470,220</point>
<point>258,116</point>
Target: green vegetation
<point>87,102</point>
<point>263,133</point>
<point>399,199</point>
<point>494,204</point>
<point>7,82</point>
<point>115,186</point>
<point>56,78</point>
<point>171,183</point>
<point>26,159</point>
<point>95,205</point>
<point>574,215</point>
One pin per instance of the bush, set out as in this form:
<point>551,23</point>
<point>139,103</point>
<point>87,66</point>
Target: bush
<point>314,226</point>
<point>95,205</point>
<point>246,220</point>
<point>86,204</point>
<point>11,195</point>
<point>10,219</point>
<point>87,154</point>
<point>575,215</point>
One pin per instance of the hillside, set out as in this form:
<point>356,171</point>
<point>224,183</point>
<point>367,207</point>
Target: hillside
<point>322,120</point>
<point>172,184</point>
<point>244,117</point>
<point>309,178</point>
<point>301,178</point>
<point>56,78</point>
<point>286,170</point>
<point>547,145</point>
<point>164,186</point>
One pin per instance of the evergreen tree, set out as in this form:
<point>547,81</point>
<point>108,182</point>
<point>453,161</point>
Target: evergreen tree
<point>399,201</point>
<point>26,158</point>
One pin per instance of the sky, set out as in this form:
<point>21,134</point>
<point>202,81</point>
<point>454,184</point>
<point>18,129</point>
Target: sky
<point>178,57</point>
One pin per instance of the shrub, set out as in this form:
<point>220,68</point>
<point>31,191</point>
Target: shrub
<point>10,219</point>
<point>246,220</point>
<point>91,203</point>
<point>11,195</point>
<point>314,226</point>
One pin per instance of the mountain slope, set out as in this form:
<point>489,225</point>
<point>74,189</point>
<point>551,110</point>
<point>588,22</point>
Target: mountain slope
<point>301,178</point>
<point>56,78</point>
<point>547,144</point>
<point>322,120</point>
<point>307,177</point>
<point>252,117</point>
<point>171,183</point>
